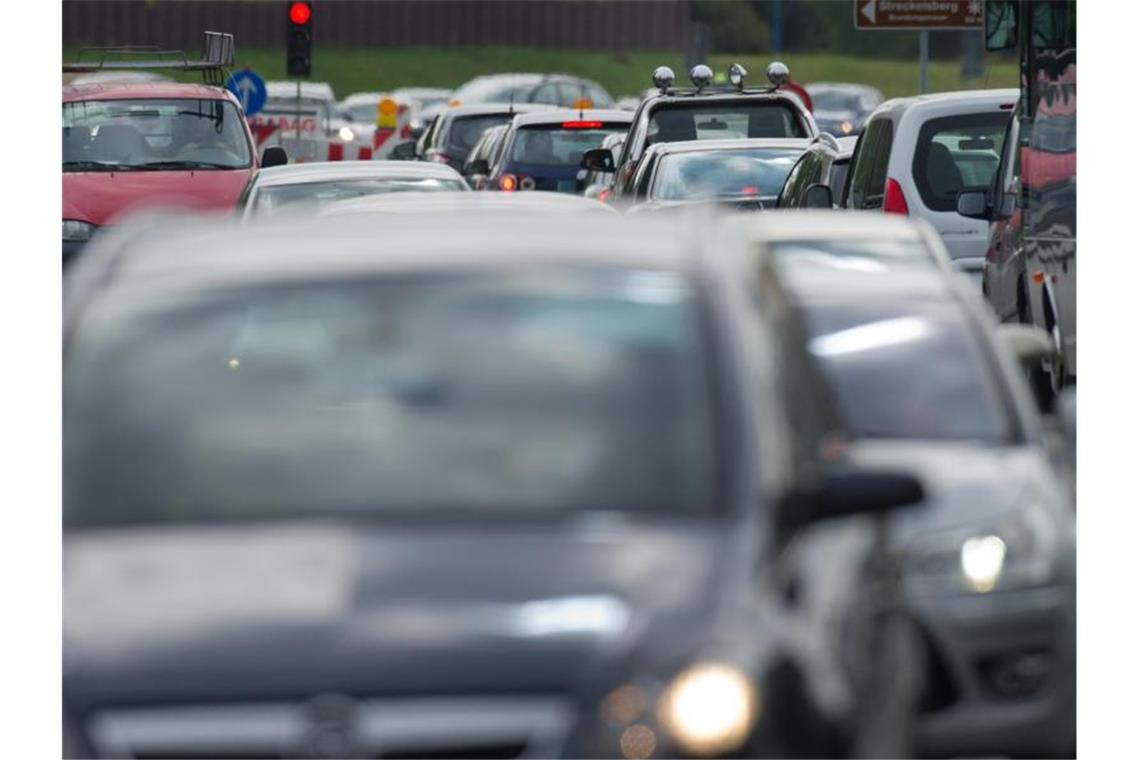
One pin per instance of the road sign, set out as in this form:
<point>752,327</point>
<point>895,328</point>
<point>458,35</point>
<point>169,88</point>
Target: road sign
<point>249,89</point>
<point>918,14</point>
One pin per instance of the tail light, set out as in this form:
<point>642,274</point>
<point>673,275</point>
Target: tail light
<point>894,202</point>
<point>603,195</point>
<point>581,125</point>
<point>508,183</point>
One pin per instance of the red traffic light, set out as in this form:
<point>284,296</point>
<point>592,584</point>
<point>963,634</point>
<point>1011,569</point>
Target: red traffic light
<point>300,13</point>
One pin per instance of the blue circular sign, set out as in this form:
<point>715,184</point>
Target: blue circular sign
<point>249,89</point>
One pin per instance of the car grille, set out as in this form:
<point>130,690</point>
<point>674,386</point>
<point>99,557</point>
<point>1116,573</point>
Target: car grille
<point>334,726</point>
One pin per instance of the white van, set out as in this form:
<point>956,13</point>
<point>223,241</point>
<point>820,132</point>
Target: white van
<point>916,154</point>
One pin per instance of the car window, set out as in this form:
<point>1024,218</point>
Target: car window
<point>869,165</point>
<point>720,120</point>
<point>723,173</point>
<point>103,135</point>
<point>799,179</point>
<point>957,153</point>
<point>837,174</point>
<point>547,93</point>
<point>272,199</point>
<point>910,370</point>
<point>465,131</point>
<point>836,100</point>
<point>554,145</point>
<point>520,392</point>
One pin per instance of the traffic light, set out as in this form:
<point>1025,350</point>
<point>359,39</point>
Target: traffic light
<point>299,53</point>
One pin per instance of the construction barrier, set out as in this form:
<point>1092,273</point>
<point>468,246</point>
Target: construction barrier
<point>304,142</point>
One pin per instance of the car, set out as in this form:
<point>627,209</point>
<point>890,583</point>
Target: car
<point>706,112</point>
<point>133,144</point>
<point>483,155</point>
<point>553,89</point>
<point>360,110</point>
<point>743,173</point>
<point>841,108</point>
<point>543,150</point>
<point>928,381</point>
<point>823,164</point>
<point>313,118</point>
<point>443,205</point>
<point>917,154</point>
<point>452,134</point>
<point>594,183</point>
<point>337,487</point>
<point>287,188</point>
<point>109,77</point>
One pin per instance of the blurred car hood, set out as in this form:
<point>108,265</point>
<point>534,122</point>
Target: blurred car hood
<point>966,483</point>
<point>289,609</point>
<point>100,197</point>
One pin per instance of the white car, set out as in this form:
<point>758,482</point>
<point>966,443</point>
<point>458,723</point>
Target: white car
<point>319,184</point>
<point>917,154</point>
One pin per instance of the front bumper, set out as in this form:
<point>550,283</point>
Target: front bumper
<point>1004,667</point>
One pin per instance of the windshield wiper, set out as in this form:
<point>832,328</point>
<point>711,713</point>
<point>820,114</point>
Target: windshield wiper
<point>158,165</point>
<point>104,166</point>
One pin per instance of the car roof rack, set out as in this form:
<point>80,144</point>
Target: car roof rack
<point>216,57</point>
<point>685,92</point>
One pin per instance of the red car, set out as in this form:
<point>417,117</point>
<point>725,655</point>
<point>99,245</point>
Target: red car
<point>132,144</point>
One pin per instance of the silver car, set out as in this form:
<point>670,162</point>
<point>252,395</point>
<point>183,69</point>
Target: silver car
<point>926,380</point>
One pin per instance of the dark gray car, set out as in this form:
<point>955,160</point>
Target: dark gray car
<point>334,487</point>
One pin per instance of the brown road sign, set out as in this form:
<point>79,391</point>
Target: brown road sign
<point>918,14</point>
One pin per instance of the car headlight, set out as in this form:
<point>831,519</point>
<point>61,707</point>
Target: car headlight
<point>845,127</point>
<point>75,230</point>
<point>709,708</point>
<point>346,134</point>
<point>1017,551</point>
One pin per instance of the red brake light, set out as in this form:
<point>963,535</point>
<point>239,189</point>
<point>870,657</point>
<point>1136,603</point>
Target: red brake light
<point>895,202</point>
<point>299,13</point>
<point>749,190</point>
<point>508,183</point>
<point>581,125</point>
<point>604,195</point>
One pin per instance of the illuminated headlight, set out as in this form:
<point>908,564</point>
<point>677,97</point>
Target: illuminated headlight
<point>77,231</point>
<point>845,127</point>
<point>710,708</point>
<point>346,134</point>
<point>1018,551</point>
<point>982,560</point>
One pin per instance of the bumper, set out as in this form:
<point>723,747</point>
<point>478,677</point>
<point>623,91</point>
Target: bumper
<point>1010,662</point>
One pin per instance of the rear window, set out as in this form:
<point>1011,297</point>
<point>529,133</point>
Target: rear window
<point>556,145</point>
<point>465,131</point>
<point>272,199</point>
<point>722,120</point>
<point>957,153</point>
<point>723,174</point>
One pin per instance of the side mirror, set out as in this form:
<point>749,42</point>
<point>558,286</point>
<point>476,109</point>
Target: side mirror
<point>405,151</point>
<point>1029,344</point>
<point>273,156</point>
<point>598,160</point>
<point>418,132</point>
<point>973,204</point>
<point>849,492</point>
<point>478,166</point>
<point>818,196</point>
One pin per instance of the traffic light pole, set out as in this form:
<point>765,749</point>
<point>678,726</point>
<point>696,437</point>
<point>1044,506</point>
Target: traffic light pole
<point>923,59</point>
<point>297,124</point>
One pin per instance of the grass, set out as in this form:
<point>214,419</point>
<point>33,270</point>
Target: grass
<point>351,70</point>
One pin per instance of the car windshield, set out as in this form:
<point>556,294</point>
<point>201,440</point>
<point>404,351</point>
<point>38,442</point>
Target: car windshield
<point>907,370</point>
<point>496,90</point>
<point>522,392</point>
<point>560,145</point>
<point>109,135</point>
<point>364,113</point>
<point>723,173</point>
<point>272,198</point>
<point>722,120</point>
<point>835,100</point>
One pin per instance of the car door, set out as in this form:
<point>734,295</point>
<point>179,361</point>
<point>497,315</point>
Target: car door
<point>867,177</point>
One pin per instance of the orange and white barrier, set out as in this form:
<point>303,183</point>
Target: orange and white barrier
<point>392,126</point>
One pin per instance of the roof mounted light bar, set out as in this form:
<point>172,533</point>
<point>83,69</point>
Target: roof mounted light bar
<point>216,56</point>
<point>702,77</point>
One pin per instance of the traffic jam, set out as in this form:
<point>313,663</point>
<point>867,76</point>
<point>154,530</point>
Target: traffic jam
<point>734,417</point>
